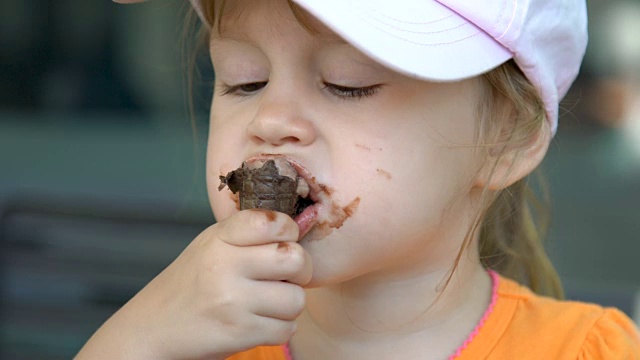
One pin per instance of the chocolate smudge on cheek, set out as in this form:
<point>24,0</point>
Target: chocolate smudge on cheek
<point>384,173</point>
<point>367,148</point>
<point>324,188</point>
<point>342,214</point>
<point>333,217</point>
<point>338,215</point>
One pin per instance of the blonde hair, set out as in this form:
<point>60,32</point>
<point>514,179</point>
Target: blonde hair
<point>513,222</point>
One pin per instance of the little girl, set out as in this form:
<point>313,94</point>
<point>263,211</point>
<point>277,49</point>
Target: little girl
<point>414,124</point>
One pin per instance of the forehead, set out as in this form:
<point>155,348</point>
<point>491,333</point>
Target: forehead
<point>243,19</point>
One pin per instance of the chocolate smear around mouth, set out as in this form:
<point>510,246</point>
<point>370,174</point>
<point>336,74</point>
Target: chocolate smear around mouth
<point>270,186</point>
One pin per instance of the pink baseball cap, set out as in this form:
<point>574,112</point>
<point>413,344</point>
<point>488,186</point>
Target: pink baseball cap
<point>449,40</point>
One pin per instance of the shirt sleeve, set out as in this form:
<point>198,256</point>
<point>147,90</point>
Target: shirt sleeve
<point>613,336</point>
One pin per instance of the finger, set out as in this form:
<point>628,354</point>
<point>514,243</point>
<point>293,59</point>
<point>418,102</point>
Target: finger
<point>272,331</point>
<point>278,300</point>
<point>283,261</point>
<point>257,227</point>
<point>255,330</point>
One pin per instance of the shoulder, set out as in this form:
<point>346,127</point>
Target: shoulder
<point>570,329</point>
<point>613,336</point>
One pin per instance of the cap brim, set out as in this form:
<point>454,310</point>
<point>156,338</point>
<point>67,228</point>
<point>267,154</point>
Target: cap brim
<point>426,41</point>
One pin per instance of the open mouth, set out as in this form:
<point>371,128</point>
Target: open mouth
<point>274,182</point>
<point>302,204</point>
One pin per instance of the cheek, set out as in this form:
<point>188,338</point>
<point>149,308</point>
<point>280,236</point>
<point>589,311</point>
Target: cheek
<point>221,204</point>
<point>409,198</point>
<point>224,154</point>
<point>406,181</point>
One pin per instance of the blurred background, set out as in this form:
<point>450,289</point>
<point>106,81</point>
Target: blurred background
<point>102,173</point>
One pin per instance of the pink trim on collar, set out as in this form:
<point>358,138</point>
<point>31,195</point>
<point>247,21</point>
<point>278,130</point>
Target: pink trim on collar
<point>495,280</point>
<point>287,351</point>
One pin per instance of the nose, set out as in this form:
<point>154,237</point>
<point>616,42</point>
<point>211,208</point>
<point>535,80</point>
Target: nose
<point>278,124</point>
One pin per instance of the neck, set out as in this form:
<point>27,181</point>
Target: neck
<point>379,317</point>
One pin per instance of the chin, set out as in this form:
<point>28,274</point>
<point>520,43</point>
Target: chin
<point>332,263</point>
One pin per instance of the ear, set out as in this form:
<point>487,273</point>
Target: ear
<point>504,167</point>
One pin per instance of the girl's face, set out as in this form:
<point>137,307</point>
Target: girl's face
<point>394,153</point>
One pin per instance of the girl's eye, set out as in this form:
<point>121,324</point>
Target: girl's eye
<point>242,89</point>
<point>346,92</point>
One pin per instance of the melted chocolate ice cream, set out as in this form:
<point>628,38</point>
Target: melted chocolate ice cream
<point>271,184</point>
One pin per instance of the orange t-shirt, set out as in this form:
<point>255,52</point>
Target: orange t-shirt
<point>523,326</point>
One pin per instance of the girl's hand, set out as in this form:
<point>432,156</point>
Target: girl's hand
<point>236,286</point>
